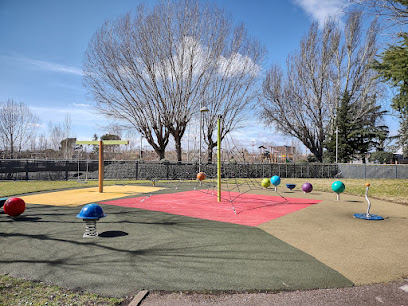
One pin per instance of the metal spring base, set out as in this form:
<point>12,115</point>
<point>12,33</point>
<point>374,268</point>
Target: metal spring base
<point>90,230</point>
<point>368,217</point>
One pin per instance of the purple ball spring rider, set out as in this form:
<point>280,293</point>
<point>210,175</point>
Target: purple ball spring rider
<point>307,187</point>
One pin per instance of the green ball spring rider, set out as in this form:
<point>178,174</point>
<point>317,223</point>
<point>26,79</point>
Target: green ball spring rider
<point>338,187</point>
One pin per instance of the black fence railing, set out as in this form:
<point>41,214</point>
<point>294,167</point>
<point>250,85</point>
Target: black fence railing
<point>83,170</point>
<point>88,169</point>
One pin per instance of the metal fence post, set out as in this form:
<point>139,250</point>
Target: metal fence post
<point>66,170</point>
<point>26,169</point>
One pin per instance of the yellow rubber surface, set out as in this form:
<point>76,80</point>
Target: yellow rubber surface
<point>364,251</point>
<point>82,196</point>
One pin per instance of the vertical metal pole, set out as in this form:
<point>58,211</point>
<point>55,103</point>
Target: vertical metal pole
<point>66,170</point>
<point>26,169</point>
<point>337,142</point>
<point>199,154</point>
<point>101,166</point>
<point>219,158</point>
<point>188,144</point>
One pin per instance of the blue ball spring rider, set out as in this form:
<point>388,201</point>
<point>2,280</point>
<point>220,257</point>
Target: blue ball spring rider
<point>91,213</point>
<point>275,181</point>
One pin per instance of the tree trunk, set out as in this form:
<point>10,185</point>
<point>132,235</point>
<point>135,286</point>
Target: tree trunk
<point>160,153</point>
<point>210,155</point>
<point>178,148</point>
<point>317,153</point>
<point>159,149</point>
<point>11,148</point>
<point>210,151</point>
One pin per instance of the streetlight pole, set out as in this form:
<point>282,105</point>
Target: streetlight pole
<point>337,142</point>
<point>202,110</point>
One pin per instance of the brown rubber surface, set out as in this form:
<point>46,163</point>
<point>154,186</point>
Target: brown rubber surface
<point>364,251</point>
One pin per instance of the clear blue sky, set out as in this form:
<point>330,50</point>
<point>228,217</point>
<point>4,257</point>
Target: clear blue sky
<point>42,44</point>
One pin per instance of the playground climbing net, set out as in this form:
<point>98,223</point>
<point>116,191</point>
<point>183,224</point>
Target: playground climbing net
<point>232,188</point>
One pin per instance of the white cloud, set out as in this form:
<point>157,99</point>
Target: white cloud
<point>37,125</point>
<point>190,53</point>
<point>50,66</point>
<point>46,65</point>
<point>320,10</point>
<point>81,105</point>
<point>237,64</point>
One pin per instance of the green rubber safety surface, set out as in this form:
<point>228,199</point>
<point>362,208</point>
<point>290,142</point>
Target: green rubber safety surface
<point>139,249</point>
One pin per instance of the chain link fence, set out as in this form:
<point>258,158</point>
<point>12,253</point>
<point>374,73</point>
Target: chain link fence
<point>88,169</point>
<point>362,171</point>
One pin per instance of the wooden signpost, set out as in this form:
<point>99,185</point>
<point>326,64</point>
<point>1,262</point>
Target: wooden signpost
<point>101,143</point>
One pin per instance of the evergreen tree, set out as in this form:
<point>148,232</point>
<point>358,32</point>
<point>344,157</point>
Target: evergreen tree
<point>95,149</point>
<point>356,134</point>
<point>343,123</point>
<point>393,70</point>
<point>368,132</point>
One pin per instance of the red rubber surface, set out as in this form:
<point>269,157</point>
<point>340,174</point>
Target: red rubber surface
<point>251,209</point>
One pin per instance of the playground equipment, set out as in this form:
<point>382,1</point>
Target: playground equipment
<point>101,143</point>
<point>307,187</point>
<point>219,158</point>
<point>14,207</point>
<point>265,183</point>
<point>91,213</point>
<point>367,215</point>
<point>338,187</point>
<point>201,176</point>
<point>80,151</point>
<point>291,186</point>
<point>275,181</point>
<point>231,191</point>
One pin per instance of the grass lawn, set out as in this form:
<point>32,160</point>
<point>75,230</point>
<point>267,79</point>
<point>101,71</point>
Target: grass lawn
<point>20,292</point>
<point>16,291</point>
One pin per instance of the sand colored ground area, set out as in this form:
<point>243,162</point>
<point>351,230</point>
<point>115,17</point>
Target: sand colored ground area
<point>76,197</point>
<point>364,251</point>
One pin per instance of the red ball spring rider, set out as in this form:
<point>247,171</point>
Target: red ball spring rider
<point>14,207</point>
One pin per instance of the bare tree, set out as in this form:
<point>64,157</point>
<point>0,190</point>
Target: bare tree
<point>56,134</point>
<point>152,69</point>
<point>66,128</point>
<point>391,12</point>
<point>302,100</point>
<point>233,86</point>
<point>17,125</point>
<point>42,142</point>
